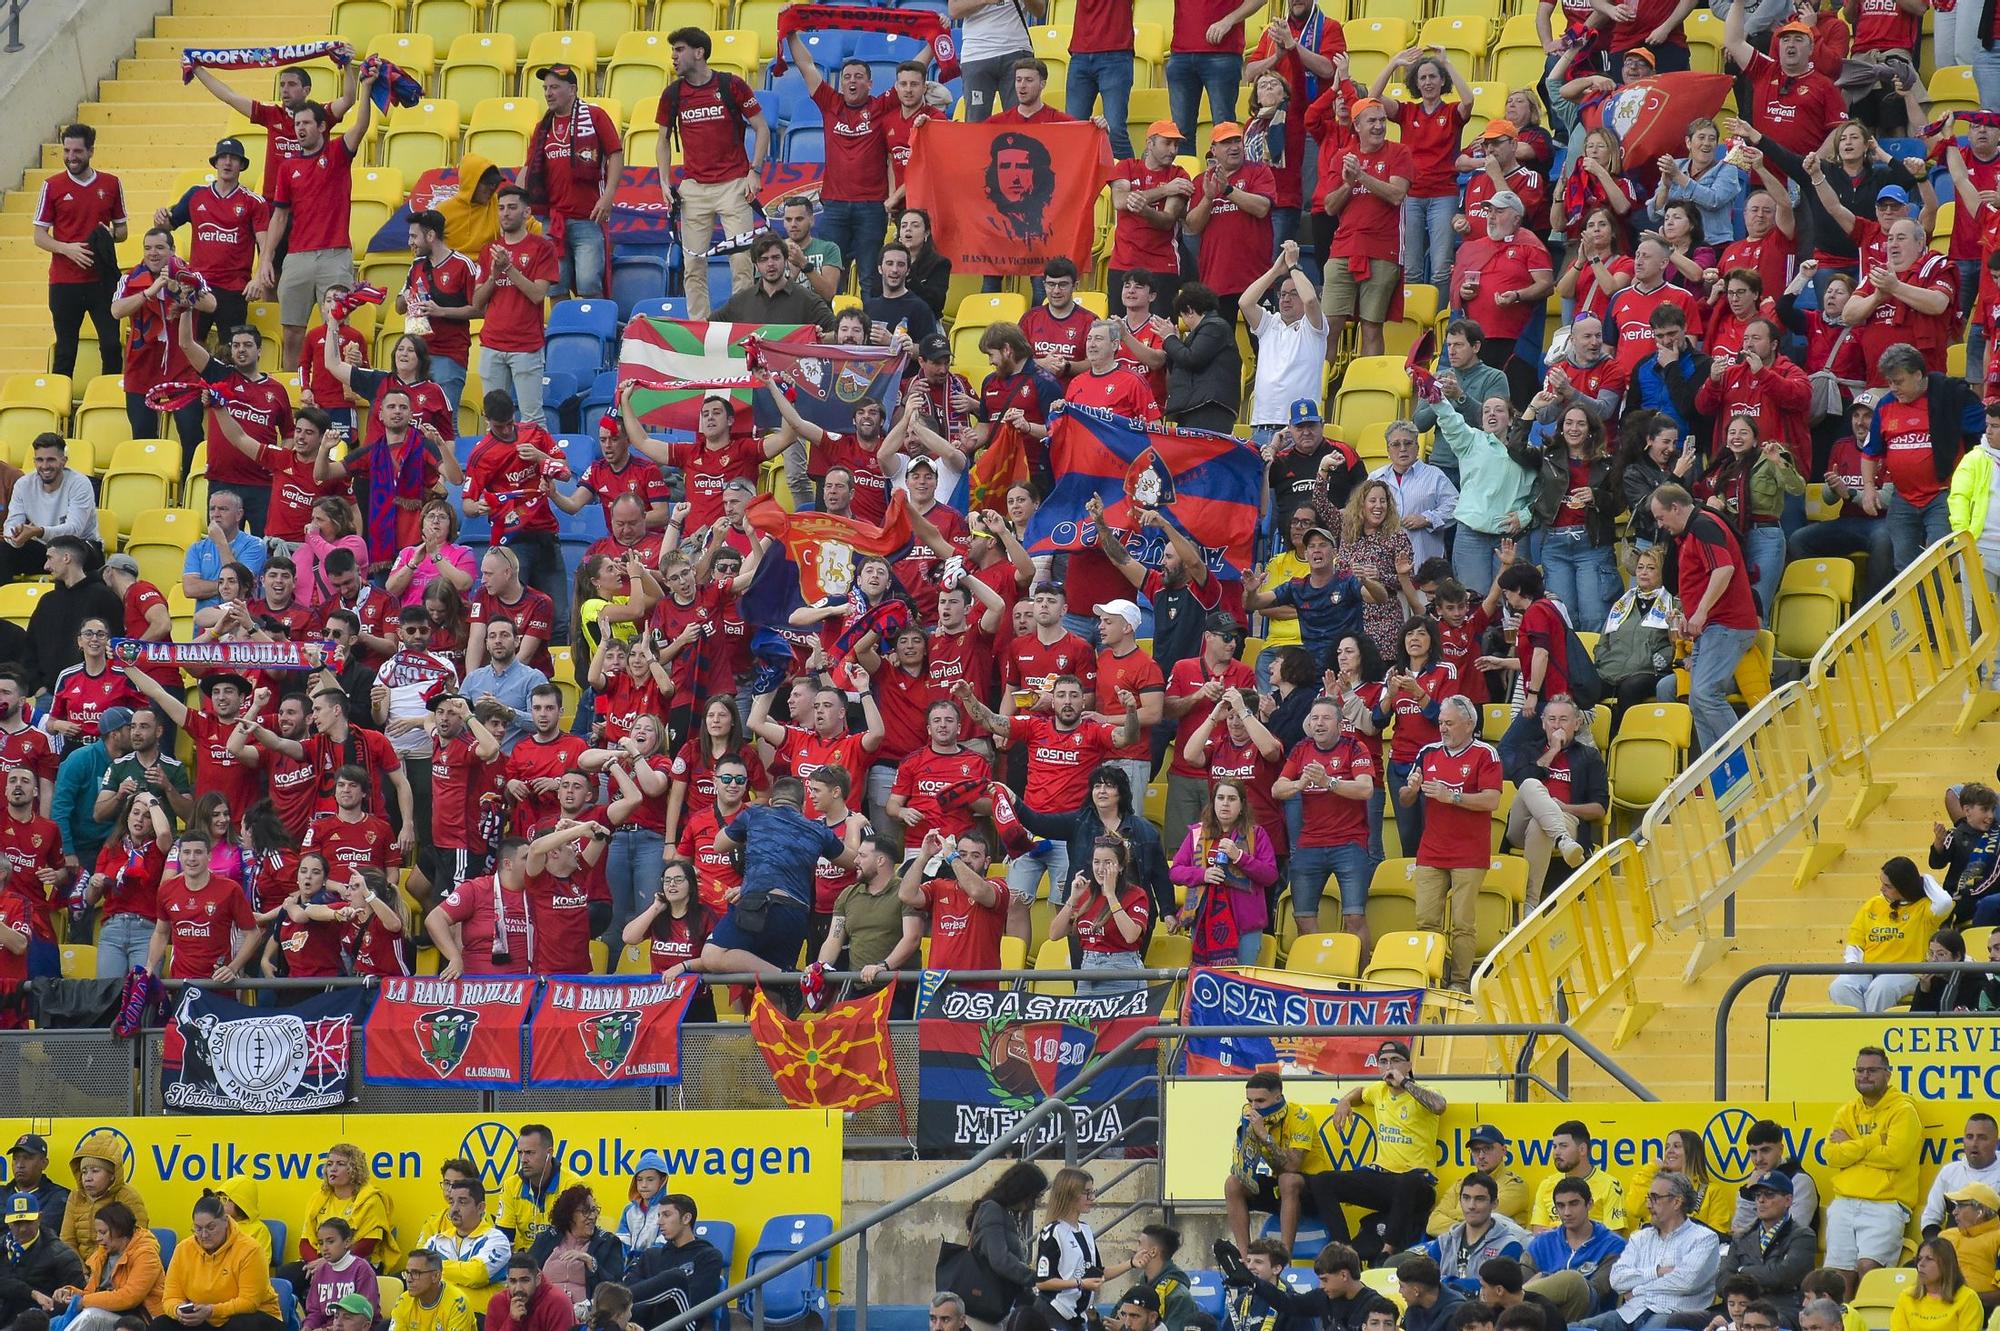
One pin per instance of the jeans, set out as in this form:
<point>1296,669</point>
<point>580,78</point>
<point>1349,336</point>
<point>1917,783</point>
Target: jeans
<point>1105,75</point>
<point>633,863</point>
<point>1955,41</point>
<point>1475,558</point>
<point>1582,576</point>
<point>1764,547</point>
<point>1189,74</point>
<point>1085,627</point>
<point>1615,1321</point>
<point>1986,74</point>
<point>1846,535</point>
<point>1427,234</point>
<point>1871,993</point>
<point>542,569</point>
<point>1975,335</point>
<point>1024,873</point>
<point>857,229</point>
<point>1913,530</point>
<point>582,257</point>
<point>1311,868</point>
<point>989,84</point>
<point>121,944</point>
<point>519,375</point>
<point>449,376</point>
<point>1138,775</point>
<point>1410,821</point>
<point>1109,961</point>
<point>1284,227</point>
<point>1711,675</point>
<point>145,423</point>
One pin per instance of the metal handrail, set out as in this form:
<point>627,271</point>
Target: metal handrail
<point>14,8</point>
<point>1060,1100</point>
<point>1786,970</point>
<point>709,979</point>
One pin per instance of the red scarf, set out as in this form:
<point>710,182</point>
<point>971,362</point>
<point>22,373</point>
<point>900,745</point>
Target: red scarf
<point>921,24</point>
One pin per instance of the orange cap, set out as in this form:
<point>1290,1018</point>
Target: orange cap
<point>1644,55</point>
<point>1500,129</point>
<point>1163,129</point>
<point>1362,104</point>
<point>1228,129</point>
<point>1802,29</point>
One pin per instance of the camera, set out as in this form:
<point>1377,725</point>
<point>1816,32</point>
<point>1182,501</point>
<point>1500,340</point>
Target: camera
<point>501,956</point>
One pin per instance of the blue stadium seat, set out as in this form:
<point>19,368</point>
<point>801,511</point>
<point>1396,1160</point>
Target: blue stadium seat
<point>1205,1288</point>
<point>666,307</point>
<point>635,278</point>
<point>166,1239</point>
<point>580,449</point>
<point>794,106</point>
<point>473,530</point>
<point>884,51</point>
<point>801,1291</point>
<point>829,49</point>
<point>559,394</point>
<point>278,1236</point>
<point>721,282</point>
<point>1298,1280</point>
<point>572,556</point>
<point>464,445</point>
<point>600,397</point>
<point>804,143</point>
<point>288,1304</point>
<point>722,1233</point>
<point>1311,1237</point>
<point>582,338</point>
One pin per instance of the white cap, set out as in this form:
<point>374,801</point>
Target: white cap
<point>1125,610</point>
<point>1505,198</point>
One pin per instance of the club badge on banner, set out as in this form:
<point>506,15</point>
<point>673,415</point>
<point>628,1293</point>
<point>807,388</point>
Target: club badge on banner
<point>1248,996</point>
<point>220,1057</point>
<point>428,1032</point>
<point>987,1057</point>
<point>599,1032</point>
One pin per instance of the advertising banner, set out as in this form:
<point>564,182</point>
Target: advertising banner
<point>1953,1058</point>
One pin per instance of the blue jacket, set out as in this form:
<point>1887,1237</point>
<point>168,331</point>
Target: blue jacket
<point>77,783</point>
<point>1672,393</point>
<point>1550,1252</point>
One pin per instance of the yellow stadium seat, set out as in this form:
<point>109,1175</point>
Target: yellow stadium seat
<point>1377,388</point>
<point>1814,596</point>
<point>416,52</point>
<point>388,1289</point>
<point>357,21</point>
<point>159,539</point>
<point>703,14</point>
<point>445,20</point>
<point>1704,39</point>
<point>1392,893</point>
<point>17,600</point>
<point>100,417</point>
<point>1146,106</point>
<point>1876,1296</point>
<point>1518,57</point>
<point>1335,954</point>
<point>107,529</point>
<point>1053,955</point>
<point>740,50</point>
<point>1647,752</point>
<point>634,961</point>
<point>79,961</point>
<point>32,404</point>
<point>1050,43</point>
<point>378,193</point>
<point>569,47</point>
<point>611,107</point>
<point>1501,896</point>
<point>600,956</point>
<point>1165,951</point>
<point>1952,89</point>
<point>1420,313</point>
<point>975,314</point>
<point>479,67</point>
<point>1372,43</point>
<point>500,128</point>
<point>523,20</point>
<point>642,135</point>
<point>641,64</point>
<point>1149,52</point>
<point>421,137</point>
<point>1414,958</point>
<point>144,474</point>
<point>608,20</point>
<point>1465,37</point>
<point>1976,938</point>
<point>1013,951</point>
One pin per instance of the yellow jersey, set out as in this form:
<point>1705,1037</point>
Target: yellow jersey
<point>1290,1128</point>
<point>1888,934</point>
<point>1928,1312</point>
<point>1607,1202</point>
<point>452,1312</point>
<point>1405,1132</point>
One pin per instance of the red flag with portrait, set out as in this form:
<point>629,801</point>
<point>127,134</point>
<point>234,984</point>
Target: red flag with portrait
<point>1008,198</point>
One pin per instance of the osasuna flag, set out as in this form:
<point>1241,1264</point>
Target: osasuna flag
<point>823,546</point>
<point>836,1059</point>
<point>1006,198</point>
<point>1651,116</point>
<point>1248,996</point>
<point>986,1058</point>
<point>1208,485</point>
<point>676,361</point>
<point>430,1032</point>
<point>220,1057</point>
<point>826,383</point>
<point>590,1031</point>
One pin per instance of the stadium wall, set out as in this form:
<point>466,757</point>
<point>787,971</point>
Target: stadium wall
<point>68,46</point>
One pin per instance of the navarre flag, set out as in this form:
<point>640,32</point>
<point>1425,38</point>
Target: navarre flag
<point>1001,465</point>
<point>1249,996</point>
<point>590,1031</point>
<point>1006,198</point>
<point>220,1057</point>
<point>431,1032</point>
<point>676,361</point>
<point>986,1058</point>
<point>826,383</point>
<point>1211,488</point>
<point>836,1059</point>
<point>823,546</point>
<point>922,24</point>
<point>1651,116</point>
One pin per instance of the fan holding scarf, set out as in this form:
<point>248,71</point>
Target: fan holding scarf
<point>152,296</point>
<point>575,158</point>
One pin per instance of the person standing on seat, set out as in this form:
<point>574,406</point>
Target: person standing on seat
<point>706,111</point>
<point>575,159</point>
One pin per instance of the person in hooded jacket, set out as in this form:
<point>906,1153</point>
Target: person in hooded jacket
<point>99,1169</point>
<point>123,1277</point>
<point>639,1223</point>
<point>220,1279</point>
<point>239,1202</point>
<point>683,1269</point>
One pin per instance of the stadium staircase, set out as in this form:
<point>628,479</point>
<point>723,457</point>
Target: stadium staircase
<point>152,133</point>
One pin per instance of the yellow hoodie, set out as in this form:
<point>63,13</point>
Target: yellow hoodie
<point>240,1190</point>
<point>1878,1161</point>
<point>1977,1247</point>
<point>368,1212</point>
<point>79,1217</point>
<point>235,1278</point>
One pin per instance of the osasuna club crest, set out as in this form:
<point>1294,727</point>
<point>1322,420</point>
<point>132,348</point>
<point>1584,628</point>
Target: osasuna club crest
<point>443,1036</point>
<point>608,1040</point>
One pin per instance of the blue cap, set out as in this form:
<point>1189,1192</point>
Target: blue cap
<point>1777,1181</point>
<point>1485,1134</point>
<point>23,1206</point>
<point>1304,410</point>
<point>1893,194</point>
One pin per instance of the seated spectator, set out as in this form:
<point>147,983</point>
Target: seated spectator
<point>1945,993</point>
<point>639,1221</point>
<point>1258,1302</point>
<point>1152,1266</point>
<point>1503,1288</point>
<point>240,1204</point>
<point>336,1276</point>
<point>1561,792</point>
<point>428,1303</point>
<point>1774,1250</point>
<point>1940,1300</point>
<point>1575,1257</point>
<point>683,1269</point>
<point>1978,1161</point>
<point>1399,1186</point>
<point>123,1276</point>
<point>1894,925</point>
<point>99,1169</point>
<point>219,1279</point>
<point>527,1302</point>
<point>1975,1237</point>
<point>34,1264</point>
<point>610,1309</point>
<point>1635,651</point>
<point>1461,1252</point>
<point>1667,1267</point>
<point>52,501</point>
<point>573,1253</point>
<point>1683,1153</point>
<point>1278,1164</point>
<point>1428,1303</point>
<point>1486,1146</point>
<point>472,1250</point>
<point>1770,1155</point>
<point>1970,853</point>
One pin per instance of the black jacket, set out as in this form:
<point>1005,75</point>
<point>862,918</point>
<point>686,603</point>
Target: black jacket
<point>1204,369</point>
<point>1549,460</point>
<point>930,277</point>
<point>1778,1271</point>
<point>606,1247</point>
<point>666,1280</point>
<point>1315,1310</point>
<point>44,1268</point>
<point>58,616</point>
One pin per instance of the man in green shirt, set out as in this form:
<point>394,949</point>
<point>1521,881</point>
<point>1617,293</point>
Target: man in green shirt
<point>870,921</point>
<point>1153,1265</point>
<point>146,767</point>
<point>814,262</point>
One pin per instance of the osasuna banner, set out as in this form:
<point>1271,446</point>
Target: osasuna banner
<point>1248,996</point>
<point>431,1032</point>
<point>1651,116</point>
<point>676,361</point>
<point>824,546</point>
<point>591,1032</point>
<point>826,383</point>
<point>1208,485</point>
<point>987,1057</point>
<point>1007,198</point>
<point>220,1057</point>
<point>304,654</point>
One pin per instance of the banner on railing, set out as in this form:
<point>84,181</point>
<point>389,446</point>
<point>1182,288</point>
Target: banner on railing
<point>1249,996</point>
<point>303,654</point>
<point>606,1031</point>
<point>986,1057</point>
<point>220,1057</point>
<point>429,1032</point>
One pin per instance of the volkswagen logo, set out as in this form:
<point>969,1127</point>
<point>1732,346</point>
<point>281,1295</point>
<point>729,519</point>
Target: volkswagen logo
<point>1350,1147</point>
<point>491,1147</point>
<point>127,1159</point>
<point>1726,1139</point>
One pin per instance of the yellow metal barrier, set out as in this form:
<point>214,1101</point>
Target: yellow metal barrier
<point>1747,800</point>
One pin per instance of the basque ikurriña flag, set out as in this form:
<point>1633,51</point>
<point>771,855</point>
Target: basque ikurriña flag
<point>1208,485</point>
<point>676,361</point>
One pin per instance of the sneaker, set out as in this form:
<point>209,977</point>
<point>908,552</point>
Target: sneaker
<point>1571,851</point>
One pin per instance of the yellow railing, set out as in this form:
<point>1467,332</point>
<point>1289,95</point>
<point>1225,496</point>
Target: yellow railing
<point>1747,800</point>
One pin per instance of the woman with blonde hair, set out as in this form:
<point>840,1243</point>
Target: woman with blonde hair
<point>1596,178</point>
<point>1940,1300</point>
<point>1068,1269</point>
<point>1684,1153</point>
<point>347,1192</point>
<point>1374,545</point>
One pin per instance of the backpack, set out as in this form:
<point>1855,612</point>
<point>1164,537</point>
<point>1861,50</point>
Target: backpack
<point>1585,684</point>
<point>734,93</point>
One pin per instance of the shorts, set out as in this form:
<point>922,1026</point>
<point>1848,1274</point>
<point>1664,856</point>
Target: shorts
<point>1858,1231</point>
<point>307,274</point>
<point>1375,296</point>
<point>784,932</point>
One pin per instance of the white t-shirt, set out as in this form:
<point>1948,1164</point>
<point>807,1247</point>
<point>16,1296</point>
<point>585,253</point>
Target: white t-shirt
<point>1291,360</point>
<point>996,30</point>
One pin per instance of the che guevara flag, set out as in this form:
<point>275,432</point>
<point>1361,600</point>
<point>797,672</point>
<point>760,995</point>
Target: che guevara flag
<point>1650,116</point>
<point>1208,485</point>
<point>826,383</point>
<point>676,361</point>
<point>428,1032</point>
<point>1007,198</point>
<point>836,1059</point>
<point>609,1031</point>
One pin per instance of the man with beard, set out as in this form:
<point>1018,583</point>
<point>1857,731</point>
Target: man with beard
<point>290,782</point>
<point>825,449</point>
<point>216,770</point>
<point>147,769</point>
<point>1020,186</point>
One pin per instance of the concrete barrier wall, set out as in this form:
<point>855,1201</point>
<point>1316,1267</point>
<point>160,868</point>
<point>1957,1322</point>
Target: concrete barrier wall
<point>68,47</point>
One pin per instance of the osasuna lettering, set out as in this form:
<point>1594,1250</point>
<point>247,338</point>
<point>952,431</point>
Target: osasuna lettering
<point>985,1005</point>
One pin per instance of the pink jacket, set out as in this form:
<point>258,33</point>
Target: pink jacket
<point>1246,899</point>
